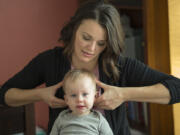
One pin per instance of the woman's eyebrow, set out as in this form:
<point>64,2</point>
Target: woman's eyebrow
<point>87,34</point>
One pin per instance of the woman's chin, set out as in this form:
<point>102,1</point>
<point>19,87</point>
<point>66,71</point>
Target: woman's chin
<point>86,60</point>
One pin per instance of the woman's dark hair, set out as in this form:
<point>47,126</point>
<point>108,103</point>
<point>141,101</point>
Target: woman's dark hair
<point>108,17</point>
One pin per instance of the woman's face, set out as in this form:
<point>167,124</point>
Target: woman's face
<point>90,41</point>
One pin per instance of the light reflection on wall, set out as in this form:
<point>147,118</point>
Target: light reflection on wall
<point>174,31</point>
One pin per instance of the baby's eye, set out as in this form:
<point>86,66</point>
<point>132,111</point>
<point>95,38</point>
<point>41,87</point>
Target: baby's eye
<point>73,95</point>
<point>85,94</point>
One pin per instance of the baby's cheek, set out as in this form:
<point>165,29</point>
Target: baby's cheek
<point>91,105</point>
<point>93,100</point>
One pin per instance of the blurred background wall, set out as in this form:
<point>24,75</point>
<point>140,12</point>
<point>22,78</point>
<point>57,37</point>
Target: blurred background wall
<point>174,33</point>
<point>28,27</point>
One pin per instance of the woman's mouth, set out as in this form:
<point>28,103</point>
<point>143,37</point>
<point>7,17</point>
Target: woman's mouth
<point>87,54</point>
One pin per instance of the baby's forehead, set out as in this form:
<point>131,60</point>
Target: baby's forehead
<point>83,81</point>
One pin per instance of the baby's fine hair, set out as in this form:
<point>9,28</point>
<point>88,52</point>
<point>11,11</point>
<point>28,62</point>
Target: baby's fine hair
<point>74,74</point>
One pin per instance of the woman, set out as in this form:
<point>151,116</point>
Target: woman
<point>93,40</point>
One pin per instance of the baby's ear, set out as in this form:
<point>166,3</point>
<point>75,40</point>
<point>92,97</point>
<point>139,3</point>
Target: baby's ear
<point>95,94</point>
<point>65,98</point>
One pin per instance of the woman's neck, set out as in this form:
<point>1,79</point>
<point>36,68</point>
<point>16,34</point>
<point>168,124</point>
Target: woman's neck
<point>84,65</point>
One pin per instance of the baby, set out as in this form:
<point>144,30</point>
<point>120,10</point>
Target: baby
<point>80,89</point>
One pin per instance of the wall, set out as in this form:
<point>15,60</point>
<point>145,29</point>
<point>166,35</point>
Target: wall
<point>174,29</point>
<point>158,57</point>
<point>28,27</point>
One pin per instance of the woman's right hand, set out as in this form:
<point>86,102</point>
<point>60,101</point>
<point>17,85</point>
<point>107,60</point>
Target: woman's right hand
<point>48,96</point>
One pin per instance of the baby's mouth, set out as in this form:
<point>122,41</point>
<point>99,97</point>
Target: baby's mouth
<point>80,106</point>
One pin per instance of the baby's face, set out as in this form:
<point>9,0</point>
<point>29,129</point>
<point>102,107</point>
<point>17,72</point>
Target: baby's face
<point>80,95</point>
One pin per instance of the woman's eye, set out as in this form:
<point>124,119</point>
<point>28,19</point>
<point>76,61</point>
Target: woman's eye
<point>101,43</point>
<point>86,38</point>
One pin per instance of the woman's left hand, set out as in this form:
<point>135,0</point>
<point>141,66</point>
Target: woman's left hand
<point>110,99</point>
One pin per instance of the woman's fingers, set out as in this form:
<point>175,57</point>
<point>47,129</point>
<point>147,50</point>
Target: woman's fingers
<point>58,85</point>
<point>57,102</point>
<point>100,102</point>
<point>100,84</point>
<point>103,104</point>
<point>99,99</point>
<point>48,96</point>
<point>110,99</point>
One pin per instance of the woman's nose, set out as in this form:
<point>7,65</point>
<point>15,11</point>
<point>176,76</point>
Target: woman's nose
<point>92,46</point>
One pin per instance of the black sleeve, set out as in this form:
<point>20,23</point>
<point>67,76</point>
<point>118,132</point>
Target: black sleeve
<point>139,74</point>
<point>29,77</point>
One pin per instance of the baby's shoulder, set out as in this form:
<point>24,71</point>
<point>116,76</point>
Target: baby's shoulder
<point>97,114</point>
<point>64,113</point>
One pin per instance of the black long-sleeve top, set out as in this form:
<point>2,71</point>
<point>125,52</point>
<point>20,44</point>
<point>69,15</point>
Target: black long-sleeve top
<point>50,67</point>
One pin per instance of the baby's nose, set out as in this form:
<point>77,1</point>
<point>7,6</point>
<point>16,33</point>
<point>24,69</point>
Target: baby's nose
<point>80,98</point>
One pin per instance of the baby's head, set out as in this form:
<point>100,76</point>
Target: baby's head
<point>80,89</point>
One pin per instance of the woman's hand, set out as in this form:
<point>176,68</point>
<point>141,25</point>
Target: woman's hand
<point>110,99</point>
<point>48,96</point>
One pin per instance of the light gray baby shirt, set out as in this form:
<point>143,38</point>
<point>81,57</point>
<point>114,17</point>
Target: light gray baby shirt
<point>92,124</point>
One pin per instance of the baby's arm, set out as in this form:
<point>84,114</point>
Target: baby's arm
<point>56,127</point>
<point>104,128</point>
